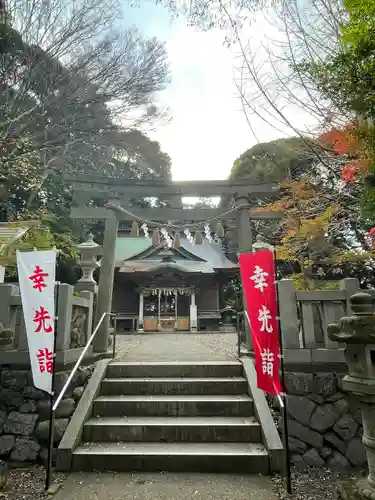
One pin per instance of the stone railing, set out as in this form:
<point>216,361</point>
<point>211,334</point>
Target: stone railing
<point>304,317</point>
<point>209,314</point>
<point>74,325</point>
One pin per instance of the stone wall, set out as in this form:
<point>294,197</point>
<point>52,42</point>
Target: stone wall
<point>324,426</point>
<point>24,413</point>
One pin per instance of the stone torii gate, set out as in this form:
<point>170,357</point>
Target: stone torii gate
<point>115,193</point>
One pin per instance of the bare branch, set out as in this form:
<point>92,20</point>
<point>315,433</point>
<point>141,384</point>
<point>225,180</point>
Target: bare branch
<point>73,77</point>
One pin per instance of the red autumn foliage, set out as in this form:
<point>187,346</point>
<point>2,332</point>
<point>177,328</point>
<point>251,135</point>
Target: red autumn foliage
<point>354,170</point>
<point>346,142</point>
<point>371,234</point>
<point>342,142</point>
<point>348,173</point>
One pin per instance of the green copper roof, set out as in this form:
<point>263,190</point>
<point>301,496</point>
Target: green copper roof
<point>128,247</point>
<point>132,266</point>
<point>208,256</point>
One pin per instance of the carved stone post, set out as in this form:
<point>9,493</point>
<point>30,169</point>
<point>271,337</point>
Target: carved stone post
<point>141,311</point>
<point>159,311</point>
<point>358,333</point>
<point>193,313</point>
<point>64,314</point>
<point>107,271</point>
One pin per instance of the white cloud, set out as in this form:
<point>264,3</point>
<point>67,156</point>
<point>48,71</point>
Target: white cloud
<point>208,130</point>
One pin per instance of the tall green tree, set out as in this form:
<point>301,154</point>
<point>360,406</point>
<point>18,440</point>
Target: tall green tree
<point>74,88</point>
<point>273,161</point>
<point>346,77</point>
<point>139,158</point>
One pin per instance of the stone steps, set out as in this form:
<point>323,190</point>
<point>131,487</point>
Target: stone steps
<point>172,429</point>
<point>170,405</point>
<point>187,385</point>
<point>175,369</point>
<point>193,457</point>
<point>156,416</point>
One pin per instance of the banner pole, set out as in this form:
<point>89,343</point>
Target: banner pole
<point>52,398</point>
<point>238,325</point>
<point>283,399</point>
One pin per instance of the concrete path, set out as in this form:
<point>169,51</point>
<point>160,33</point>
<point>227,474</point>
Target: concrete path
<point>165,486</point>
<point>176,347</point>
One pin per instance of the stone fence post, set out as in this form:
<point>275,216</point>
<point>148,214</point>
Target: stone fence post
<point>8,315</point>
<point>289,323</point>
<point>64,313</point>
<point>350,286</point>
<point>89,296</point>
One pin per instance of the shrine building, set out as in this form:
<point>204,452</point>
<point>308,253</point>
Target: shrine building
<point>154,288</point>
<point>168,289</point>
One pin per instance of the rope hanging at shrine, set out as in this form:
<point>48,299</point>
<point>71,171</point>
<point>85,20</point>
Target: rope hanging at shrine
<point>177,227</point>
<point>175,241</point>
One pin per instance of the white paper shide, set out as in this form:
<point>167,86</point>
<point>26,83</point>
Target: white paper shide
<point>36,274</point>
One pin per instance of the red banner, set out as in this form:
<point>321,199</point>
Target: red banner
<point>258,281</point>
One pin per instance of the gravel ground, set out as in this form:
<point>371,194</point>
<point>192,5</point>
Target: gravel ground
<point>314,484</point>
<point>176,347</point>
<point>27,484</point>
<point>166,486</point>
<point>221,344</point>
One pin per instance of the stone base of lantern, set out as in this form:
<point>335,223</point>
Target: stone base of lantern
<point>85,286</point>
<point>355,488</point>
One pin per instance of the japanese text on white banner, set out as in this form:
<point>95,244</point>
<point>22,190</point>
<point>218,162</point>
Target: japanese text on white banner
<point>36,274</point>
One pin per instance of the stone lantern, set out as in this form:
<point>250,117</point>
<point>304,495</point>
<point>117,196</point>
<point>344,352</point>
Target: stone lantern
<point>88,251</point>
<point>260,245</point>
<point>358,333</point>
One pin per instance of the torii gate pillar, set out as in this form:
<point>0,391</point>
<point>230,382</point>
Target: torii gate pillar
<point>107,271</point>
<point>244,232</point>
<point>245,245</point>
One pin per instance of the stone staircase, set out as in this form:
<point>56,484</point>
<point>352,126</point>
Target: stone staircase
<point>170,417</point>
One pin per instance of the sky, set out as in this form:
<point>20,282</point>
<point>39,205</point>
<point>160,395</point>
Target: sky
<point>208,130</point>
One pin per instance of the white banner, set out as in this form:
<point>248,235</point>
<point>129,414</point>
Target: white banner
<point>36,274</point>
